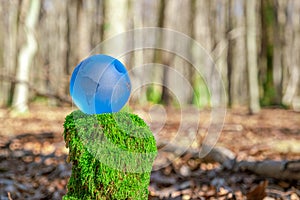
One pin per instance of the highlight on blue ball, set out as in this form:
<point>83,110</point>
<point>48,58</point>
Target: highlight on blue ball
<point>100,84</point>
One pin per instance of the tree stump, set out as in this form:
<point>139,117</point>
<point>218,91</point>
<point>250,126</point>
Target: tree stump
<point>111,155</point>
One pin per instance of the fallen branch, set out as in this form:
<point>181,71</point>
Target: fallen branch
<point>283,170</point>
<point>12,79</point>
<point>218,154</point>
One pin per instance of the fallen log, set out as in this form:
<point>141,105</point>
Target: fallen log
<point>282,170</point>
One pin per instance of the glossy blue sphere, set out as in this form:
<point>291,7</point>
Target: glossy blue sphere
<point>100,84</point>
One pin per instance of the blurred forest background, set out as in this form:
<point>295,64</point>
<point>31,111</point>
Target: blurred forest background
<point>255,45</point>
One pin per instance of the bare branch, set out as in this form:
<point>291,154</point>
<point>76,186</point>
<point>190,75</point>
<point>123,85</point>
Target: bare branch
<point>12,79</point>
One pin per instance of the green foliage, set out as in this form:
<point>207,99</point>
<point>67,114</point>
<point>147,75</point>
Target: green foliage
<point>111,156</point>
<point>40,99</point>
<point>268,12</point>
<point>153,94</point>
<point>268,96</point>
<point>268,88</point>
<point>201,96</point>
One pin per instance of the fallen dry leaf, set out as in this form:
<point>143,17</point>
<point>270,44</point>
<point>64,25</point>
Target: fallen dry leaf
<point>258,192</point>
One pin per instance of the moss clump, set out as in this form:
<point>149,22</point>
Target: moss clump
<point>111,156</point>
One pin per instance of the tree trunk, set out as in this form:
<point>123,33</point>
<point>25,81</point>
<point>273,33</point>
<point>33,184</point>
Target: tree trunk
<point>158,56</point>
<point>202,34</point>
<point>216,68</point>
<point>98,20</point>
<point>143,14</point>
<point>182,24</point>
<point>84,28</point>
<point>56,22</point>
<point>115,22</point>
<point>277,53</point>
<point>147,14</point>
<point>10,47</point>
<point>252,56</point>
<point>25,58</point>
<point>292,39</point>
<point>73,35</point>
<point>219,52</point>
<point>237,65</point>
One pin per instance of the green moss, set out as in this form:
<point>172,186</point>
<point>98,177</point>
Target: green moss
<point>111,156</point>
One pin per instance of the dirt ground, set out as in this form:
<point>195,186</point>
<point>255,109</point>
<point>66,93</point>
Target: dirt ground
<point>33,154</point>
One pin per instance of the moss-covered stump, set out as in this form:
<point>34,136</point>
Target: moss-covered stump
<point>111,156</point>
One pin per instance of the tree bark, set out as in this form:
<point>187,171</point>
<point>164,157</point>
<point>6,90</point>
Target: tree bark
<point>182,24</point>
<point>25,58</point>
<point>10,45</point>
<point>84,28</point>
<point>277,53</point>
<point>252,56</point>
<point>143,14</point>
<point>73,35</point>
<point>115,22</point>
<point>237,62</point>
<point>202,34</point>
<point>56,50</point>
<point>292,39</point>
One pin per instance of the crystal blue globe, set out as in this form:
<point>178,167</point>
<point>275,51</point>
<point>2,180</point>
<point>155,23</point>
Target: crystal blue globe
<point>100,84</point>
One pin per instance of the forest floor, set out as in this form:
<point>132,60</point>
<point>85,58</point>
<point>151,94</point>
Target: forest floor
<point>33,155</point>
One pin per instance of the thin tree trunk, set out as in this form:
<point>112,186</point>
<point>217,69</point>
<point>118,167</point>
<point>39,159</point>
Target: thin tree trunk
<point>202,33</point>
<point>182,24</point>
<point>115,22</point>
<point>230,63</point>
<point>10,47</point>
<point>220,50</point>
<point>136,12</point>
<point>25,58</point>
<point>72,36</point>
<point>85,20</point>
<point>237,64</point>
<point>158,56</point>
<point>252,56</point>
<point>277,53</point>
<point>292,52</point>
<point>98,19</point>
<point>57,49</point>
<point>143,13</point>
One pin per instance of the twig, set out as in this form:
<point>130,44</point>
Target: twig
<point>9,196</point>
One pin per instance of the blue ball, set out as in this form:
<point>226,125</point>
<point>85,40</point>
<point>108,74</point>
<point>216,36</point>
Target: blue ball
<point>100,84</point>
